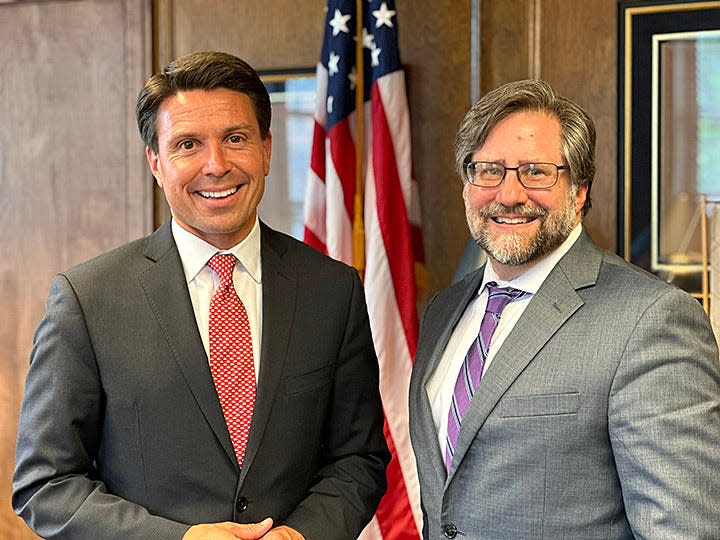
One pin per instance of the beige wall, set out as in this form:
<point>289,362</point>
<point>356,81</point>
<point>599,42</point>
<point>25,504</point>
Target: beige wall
<point>71,165</point>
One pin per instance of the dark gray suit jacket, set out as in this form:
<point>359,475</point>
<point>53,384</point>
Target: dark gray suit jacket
<point>599,417</point>
<point>121,432</point>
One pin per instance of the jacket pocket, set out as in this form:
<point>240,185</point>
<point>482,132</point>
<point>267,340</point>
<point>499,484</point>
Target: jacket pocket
<point>540,405</point>
<point>310,380</point>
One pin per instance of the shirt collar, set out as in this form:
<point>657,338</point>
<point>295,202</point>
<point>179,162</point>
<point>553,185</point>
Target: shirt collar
<point>531,280</point>
<point>195,252</point>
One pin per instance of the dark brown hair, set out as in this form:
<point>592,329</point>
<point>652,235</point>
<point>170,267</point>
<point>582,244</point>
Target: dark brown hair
<point>200,71</point>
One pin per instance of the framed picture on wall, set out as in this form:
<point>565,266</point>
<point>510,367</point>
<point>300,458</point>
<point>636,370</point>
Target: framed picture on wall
<point>669,133</point>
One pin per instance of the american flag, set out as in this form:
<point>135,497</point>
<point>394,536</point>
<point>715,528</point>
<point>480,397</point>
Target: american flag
<point>393,267</point>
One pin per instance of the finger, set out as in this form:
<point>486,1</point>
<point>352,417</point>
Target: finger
<point>252,531</point>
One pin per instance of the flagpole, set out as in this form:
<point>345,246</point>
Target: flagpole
<point>358,221</point>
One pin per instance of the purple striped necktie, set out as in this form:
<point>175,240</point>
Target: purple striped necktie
<point>472,366</point>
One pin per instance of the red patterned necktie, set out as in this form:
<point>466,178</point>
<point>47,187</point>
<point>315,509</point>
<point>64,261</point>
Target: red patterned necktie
<point>231,355</point>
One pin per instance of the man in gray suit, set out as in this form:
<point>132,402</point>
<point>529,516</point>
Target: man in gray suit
<point>130,426</point>
<point>597,411</point>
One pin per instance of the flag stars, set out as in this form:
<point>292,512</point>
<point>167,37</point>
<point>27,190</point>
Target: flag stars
<point>330,104</point>
<point>383,16</point>
<point>333,62</point>
<point>368,40</point>
<point>339,23</point>
<point>352,76</point>
<point>375,54</point>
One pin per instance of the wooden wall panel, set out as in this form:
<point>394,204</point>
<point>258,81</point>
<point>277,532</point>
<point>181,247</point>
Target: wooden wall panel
<point>582,64</point>
<point>72,170</point>
<point>435,48</point>
<point>272,34</point>
<point>506,42</point>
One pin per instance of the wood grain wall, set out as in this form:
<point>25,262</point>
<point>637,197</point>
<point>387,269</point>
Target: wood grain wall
<point>73,177</point>
<point>72,170</point>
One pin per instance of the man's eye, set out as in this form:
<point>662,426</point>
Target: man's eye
<point>187,145</point>
<point>539,170</point>
<point>236,139</point>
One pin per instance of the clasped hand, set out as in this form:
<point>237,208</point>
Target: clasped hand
<point>228,530</point>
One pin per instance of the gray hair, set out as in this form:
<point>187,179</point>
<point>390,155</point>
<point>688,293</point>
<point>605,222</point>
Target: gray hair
<point>577,129</point>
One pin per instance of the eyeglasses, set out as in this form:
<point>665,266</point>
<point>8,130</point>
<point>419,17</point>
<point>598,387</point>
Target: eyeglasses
<point>531,175</point>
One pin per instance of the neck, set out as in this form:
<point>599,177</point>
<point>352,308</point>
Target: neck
<point>508,272</point>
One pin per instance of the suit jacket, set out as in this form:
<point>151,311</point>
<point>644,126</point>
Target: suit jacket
<point>121,432</point>
<point>599,416</point>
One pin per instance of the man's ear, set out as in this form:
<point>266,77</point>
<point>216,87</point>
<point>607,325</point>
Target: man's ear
<point>154,162</point>
<point>267,148</point>
<point>581,197</point>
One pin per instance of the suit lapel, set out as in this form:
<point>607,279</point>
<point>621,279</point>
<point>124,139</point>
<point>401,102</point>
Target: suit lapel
<point>555,302</point>
<point>279,299</point>
<point>436,335</point>
<point>167,293</point>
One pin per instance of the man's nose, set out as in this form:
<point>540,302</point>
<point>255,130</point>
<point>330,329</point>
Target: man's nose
<point>511,191</point>
<point>216,162</point>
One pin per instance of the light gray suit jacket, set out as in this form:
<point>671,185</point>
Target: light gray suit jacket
<point>121,432</point>
<point>599,417</point>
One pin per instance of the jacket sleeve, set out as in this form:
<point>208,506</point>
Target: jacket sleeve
<point>664,421</point>
<point>56,489</point>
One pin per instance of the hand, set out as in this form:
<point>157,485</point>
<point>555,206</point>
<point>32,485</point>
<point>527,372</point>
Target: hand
<point>228,530</point>
<point>283,533</point>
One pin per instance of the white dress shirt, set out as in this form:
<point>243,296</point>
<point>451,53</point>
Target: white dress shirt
<point>441,384</point>
<point>202,281</point>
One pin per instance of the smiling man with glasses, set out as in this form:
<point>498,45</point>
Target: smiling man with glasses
<point>558,391</point>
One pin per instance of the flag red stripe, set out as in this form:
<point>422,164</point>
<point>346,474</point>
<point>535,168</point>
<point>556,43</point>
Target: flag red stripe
<point>342,153</point>
<point>311,239</point>
<point>394,515</point>
<point>317,157</point>
<point>393,219</point>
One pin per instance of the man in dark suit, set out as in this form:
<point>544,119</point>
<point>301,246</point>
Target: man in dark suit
<point>589,406</point>
<point>128,429</point>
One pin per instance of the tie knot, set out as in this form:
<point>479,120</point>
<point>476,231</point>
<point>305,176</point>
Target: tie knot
<point>223,266</point>
<point>499,297</point>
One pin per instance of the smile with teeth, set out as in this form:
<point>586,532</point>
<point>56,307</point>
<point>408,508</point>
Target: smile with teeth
<point>516,220</point>
<point>218,194</point>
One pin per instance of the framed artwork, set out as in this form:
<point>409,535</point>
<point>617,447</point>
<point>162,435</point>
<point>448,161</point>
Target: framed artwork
<point>669,133</point>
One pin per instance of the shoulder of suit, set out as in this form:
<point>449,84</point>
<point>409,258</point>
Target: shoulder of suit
<point>122,259</point>
<point>621,279</point>
<point>297,252</point>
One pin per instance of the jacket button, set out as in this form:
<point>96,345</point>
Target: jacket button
<point>450,530</point>
<point>241,504</point>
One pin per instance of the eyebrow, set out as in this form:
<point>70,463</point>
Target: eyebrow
<point>181,135</point>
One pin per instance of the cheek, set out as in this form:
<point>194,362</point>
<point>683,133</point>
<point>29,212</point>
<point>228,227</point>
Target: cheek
<point>477,198</point>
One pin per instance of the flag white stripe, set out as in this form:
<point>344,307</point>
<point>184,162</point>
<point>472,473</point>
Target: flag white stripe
<point>390,343</point>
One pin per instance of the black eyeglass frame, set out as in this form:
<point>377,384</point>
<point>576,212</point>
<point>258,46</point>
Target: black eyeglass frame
<point>505,170</point>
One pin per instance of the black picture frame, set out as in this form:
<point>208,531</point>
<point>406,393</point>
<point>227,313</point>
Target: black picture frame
<point>638,22</point>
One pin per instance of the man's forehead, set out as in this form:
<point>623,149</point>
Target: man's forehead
<point>221,108</point>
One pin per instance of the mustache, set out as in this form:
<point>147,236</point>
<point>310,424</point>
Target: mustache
<point>520,210</point>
